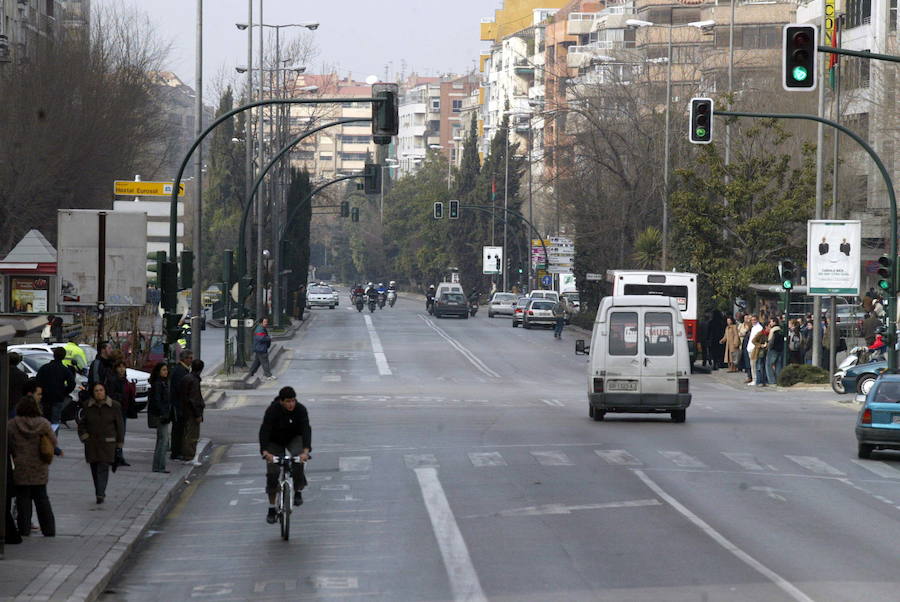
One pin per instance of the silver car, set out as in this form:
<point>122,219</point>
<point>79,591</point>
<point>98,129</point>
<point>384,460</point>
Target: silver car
<point>320,296</point>
<point>539,312</point>
<point>502,304</point>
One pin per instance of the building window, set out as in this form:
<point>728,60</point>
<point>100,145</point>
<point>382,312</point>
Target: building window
<point>859,12</point>
<point>892,16</point>
<point>457,106</point>
<point>325,157</point>
<point>354,156</point>
<point>435,104</point>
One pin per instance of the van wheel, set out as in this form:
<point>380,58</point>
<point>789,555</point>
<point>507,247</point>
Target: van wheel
<point>864,450</point>
<point>596,414</point>
<point>679,415</point>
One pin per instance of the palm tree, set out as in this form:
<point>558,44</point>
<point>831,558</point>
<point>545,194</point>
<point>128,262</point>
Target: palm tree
<point>648,248</point>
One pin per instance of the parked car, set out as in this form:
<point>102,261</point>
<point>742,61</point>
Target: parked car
<point>538,312</point>
<point>451,304</point>
<point>320,296</point>
<point>519,310</point>
<point>502,304</point>
<point>149,351</point>
<point>33,359</point>
<point>878,422</point>
<point>861,377</point>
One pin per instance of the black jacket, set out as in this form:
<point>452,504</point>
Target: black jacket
<point>191,397</point>
<point>56,380</point>
<point>159,402</point>
<point>17,382</point>
<point>178,373</point>
<point>101,371</point>
<point>280,426</point>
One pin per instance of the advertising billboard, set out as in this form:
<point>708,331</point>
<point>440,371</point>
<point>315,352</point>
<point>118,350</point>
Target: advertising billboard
<point>833,257</point>
<point>492,260</point>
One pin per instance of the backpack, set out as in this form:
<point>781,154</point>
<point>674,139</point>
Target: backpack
<point>794,341</point>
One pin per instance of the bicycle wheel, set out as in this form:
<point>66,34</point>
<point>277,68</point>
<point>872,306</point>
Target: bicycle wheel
<point>287,504</point>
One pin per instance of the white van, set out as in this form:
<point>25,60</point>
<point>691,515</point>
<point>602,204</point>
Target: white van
<point>447,287</point>
<point>639,358</point>
<point>542,294</point>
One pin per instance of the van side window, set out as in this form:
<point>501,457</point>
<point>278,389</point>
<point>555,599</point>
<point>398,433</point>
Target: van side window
<point>658,339</point>
<point>623,331</point>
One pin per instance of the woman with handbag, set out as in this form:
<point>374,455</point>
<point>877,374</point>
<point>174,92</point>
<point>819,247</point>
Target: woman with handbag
<point>159,414</point>
<point>102,432</point>
<point>32,444</point>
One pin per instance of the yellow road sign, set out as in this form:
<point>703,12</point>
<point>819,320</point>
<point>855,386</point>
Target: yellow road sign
<point>130,188</point>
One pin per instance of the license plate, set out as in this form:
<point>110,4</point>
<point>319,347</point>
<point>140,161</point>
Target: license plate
<point>621,385</point>
<point>895,419</point>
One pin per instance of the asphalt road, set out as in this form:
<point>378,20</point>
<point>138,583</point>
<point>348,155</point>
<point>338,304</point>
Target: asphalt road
<point>455,460</point>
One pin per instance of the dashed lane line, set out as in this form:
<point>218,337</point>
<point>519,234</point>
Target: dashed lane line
<point>377,349</point>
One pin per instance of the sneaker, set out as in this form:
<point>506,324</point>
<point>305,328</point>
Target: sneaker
<point>751,384</point>
<point>298,499</point>
<point>271,516</point>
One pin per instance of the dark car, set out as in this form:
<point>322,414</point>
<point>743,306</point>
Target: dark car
<point>861,377</point>
<point>451,304</point>
<point>878,422</point>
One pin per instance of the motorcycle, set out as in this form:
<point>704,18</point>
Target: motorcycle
<point>391,298</point>
<point>382,298</point>
<point>372,305</point>
<point>429,306</point>
<point>857,355</point>
<point>473,308</point>
<point>359,303</point>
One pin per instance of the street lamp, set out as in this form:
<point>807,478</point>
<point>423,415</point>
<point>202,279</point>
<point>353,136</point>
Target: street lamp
<point>705,27</point>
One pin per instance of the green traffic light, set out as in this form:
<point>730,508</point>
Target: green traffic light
<point>800,74</point>
<point>884,284</point>
<point>787,284</point>
<point>701,132</point>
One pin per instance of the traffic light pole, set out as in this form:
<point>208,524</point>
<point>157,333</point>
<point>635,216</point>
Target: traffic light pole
<point>892,291</point>
<point>240,360</point>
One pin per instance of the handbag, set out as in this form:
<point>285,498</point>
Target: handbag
<point>46,449</point>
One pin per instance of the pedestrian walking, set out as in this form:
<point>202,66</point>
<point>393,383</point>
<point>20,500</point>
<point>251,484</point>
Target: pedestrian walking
<point>47,331</point>
<point>703,339</point>
<point>732,342</point>
<point>29,433</point>
<point>56,329</point>
<point>261,343</point>
<point>57,383</point>
<point>774,351</point>
<point>159,413</point>
<point>181,369</point>
<point>559,313</point>
<point>101,370</point>
<point>192,406</point>
<point>102,432</point>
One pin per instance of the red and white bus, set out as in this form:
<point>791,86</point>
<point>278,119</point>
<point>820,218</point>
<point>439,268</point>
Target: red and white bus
<point>681,286</point>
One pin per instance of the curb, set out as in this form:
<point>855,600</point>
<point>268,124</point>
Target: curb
<point>97,580</point>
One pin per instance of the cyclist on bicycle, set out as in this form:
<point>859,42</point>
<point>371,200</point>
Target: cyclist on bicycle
<point>285,427</point>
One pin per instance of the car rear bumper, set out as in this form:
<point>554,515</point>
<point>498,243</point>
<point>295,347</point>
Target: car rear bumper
<point>451,311</point>
<point>500,310</point>
<point>320,302</point>
<point>648,402</point>
<point>878,436</point>
<point>542,321</point>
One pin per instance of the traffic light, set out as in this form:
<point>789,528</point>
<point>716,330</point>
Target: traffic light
<point>173,331</point>
<point>187,270</point>
<point>498,264</point>
<point>372,181</point>
<point>799,57</point>
<point>438,210</point>
<point>454,210</point>
<point>885,273</point>
<point>345,208</point>
<point>787,269</point>
<point>245,287</point>
<point>701,112</point>
<point>385,113</point>
<point>354,214</point>
<point>168,280</point>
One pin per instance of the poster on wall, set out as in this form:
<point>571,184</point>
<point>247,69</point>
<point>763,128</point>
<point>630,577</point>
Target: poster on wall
<point>28,295</point>
<point>833,257</point>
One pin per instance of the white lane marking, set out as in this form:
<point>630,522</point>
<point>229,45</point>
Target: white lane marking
<point>554,402</point>
<point>377,349</point>
<point>480,459</point>
<point>251,490</point>
<point>420,461</point>
<point>683,460</point>
<point>331,378</point>
<point>224,468</point>
<point>882,469</point>
<point>552,458</point>
<point>720,539</point>
<point>239,482</point>
<point>233,503</point>
<point>563,509</point>
<point>619,457</point>
<point>473,359</point>
<point>355,463</point>
<point>746,461</point>
<point>463,579</point>
<point>771,492</point>
<point>813,464</point>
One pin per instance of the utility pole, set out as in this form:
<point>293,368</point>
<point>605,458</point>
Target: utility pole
<point>240,361</point>
<point>260,197</point>
<point>196,286</point>
<point>505,206</point>
<point>820,161</point>
<point>665,205</point>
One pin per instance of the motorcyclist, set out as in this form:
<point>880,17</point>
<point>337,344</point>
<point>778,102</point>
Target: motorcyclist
<point>358,291</point>
<point>392,286</point>
<point>429,297</point>
<point>372,293</point>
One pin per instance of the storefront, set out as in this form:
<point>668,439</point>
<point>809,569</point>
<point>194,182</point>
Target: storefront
<point>28,276</point>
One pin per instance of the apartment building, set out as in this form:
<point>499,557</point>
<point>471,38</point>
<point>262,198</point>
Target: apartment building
<point>23,22</point>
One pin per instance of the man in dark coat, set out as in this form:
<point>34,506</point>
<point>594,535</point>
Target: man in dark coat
<point>869,327</point>
<point>181,369</point>
<point>58,382</point>
<point>285,426</point>
<point>101,370</point>
<point>16,384</point>
<point>192,406</point>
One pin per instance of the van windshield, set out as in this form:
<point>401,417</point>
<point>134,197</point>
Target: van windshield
<point>623,331</point>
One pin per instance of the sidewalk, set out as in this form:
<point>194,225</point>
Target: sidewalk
<point>92,541</point>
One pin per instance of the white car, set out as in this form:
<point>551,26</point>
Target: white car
<point>320,296</point>
<point>140,378</point>
<point>33,359</point>
<point>336,295</point>
<point>502,304</point>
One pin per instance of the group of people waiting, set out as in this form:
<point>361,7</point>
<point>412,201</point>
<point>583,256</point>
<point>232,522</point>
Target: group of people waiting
<point>175,409</point>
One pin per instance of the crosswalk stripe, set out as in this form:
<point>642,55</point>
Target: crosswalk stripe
<point>552,458</point>
<point>619,457</point>
<point>882,469</point>
<point>813,464</point>
<point>746,461</point>
<point>480,459</point>
<point>420,461</point>
<point>355,463</point>
<point>682,459</point>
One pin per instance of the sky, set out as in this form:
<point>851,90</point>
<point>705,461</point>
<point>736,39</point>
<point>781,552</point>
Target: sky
<point>358,37</point>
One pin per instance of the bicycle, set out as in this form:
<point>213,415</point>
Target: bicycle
<point>284,498</point>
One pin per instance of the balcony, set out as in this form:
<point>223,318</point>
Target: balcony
<point>580,23</point>
<point>523,67</point>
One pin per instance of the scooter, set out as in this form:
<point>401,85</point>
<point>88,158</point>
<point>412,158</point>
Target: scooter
<point>373,304</point>
<point>391,298</point>
<point>381,300</point>
<point>429,306</point>
<point>359,303</point>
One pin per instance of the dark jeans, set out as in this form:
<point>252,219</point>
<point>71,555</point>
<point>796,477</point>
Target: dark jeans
<point>100,474</point>
<point>162,446</point>
<point>748,363</point>
<point>176,438</point>
<point>272,470</point>
<point>191,434</point>
<point>558,327</point>
<point>260,359</point>
<point>25,494</point>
